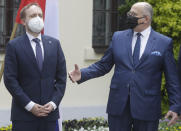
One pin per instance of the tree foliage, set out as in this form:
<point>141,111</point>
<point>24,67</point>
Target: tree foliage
<point>166,20</point>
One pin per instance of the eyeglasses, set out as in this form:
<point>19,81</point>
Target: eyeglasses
<point>133,14</point>
<point>130,13</point>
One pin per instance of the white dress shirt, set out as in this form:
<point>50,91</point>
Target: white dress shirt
<point>33,44</point>
<point>30,105</point>
<point>144,39</point>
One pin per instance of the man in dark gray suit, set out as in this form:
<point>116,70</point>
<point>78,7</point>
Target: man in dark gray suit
<point>35,75</point>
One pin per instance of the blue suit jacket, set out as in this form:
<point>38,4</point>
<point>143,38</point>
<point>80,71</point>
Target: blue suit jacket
<point>142,81</point>
<point>179,64</point>
<point>26,82</point>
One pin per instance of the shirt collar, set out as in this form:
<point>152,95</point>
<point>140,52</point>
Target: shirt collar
<point>32,37</point>
<point>144,32</point>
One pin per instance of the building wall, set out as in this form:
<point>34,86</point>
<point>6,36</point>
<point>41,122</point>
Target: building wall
<point>5,102</point>
<point>76,41</point>
<point>5,97</point>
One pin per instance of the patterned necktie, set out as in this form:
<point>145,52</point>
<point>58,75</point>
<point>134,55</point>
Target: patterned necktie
<point>136,52</point>
<point>39,56</point>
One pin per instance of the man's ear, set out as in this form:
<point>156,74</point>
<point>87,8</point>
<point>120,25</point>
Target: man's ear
<point>148,19</point>
<point>23,22</point>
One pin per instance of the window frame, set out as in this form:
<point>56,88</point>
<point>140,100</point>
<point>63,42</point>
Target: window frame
<point>111,21</point>
<point>10,8</point>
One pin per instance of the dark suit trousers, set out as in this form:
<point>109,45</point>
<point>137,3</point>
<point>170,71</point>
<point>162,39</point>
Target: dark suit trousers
<point>37,125</point>
<point>125,122</point>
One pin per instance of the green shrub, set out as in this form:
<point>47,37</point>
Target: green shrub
<point>166,20</point>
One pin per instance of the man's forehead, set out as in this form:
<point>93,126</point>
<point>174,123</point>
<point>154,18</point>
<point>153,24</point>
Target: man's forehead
<point>137,9</point>
<point>34,9</point>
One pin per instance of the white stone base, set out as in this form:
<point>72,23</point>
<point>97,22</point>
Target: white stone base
<point>4,118</point>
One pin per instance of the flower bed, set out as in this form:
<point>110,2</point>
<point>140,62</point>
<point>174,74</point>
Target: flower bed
<point>86,124</point>
<point>99,124</point>
<point>163,126</point>
<point>8,128</point>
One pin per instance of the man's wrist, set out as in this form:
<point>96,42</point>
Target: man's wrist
<point>53,104</point>
<point>29,106</point>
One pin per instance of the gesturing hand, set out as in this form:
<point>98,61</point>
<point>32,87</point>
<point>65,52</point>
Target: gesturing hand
<point>75,75</point>
<point>38,111</point>
<point>173,116</point>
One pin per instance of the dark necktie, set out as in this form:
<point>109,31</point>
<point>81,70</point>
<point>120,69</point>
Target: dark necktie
<point>39,56</point>
<point>136,52</point>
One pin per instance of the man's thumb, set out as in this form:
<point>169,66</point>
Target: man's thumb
<point>167,115</point>
<point>76,67</point>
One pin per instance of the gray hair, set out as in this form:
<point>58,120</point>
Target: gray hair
<point>148,10</point>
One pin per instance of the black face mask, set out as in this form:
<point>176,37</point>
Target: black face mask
<point>132,21</point>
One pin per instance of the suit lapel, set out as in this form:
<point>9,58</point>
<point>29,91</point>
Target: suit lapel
<point>150,44</point>
<point>128,42</point>
<point>29,51</point>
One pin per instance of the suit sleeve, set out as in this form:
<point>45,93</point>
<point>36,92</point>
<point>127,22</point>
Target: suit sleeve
<point>11,76</point>
<point>99,68</point>
<point>172,80</point>
<point>179,64</point>
<point>61,77</point>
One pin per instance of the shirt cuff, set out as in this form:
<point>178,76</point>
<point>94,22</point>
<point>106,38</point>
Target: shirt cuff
<point>29,106</point>
<point>53,104</point>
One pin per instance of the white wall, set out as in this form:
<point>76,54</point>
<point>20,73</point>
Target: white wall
<point>76,39</point>
<point>5,102</point>
<point>5,98</point>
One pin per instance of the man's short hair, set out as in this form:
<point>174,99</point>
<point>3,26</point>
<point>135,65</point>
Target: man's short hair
<point>23,10</point>
<point>148,9</point>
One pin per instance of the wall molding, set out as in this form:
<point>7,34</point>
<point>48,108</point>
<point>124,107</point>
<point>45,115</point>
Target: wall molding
<point>91,55</point>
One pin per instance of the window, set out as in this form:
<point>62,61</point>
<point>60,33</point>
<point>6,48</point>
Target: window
<point>106,21</point>
<point>8,11</point>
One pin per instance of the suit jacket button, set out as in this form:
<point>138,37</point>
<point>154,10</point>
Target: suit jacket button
<point>133,71</point>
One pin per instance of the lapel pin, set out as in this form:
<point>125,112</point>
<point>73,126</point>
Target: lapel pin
<point>50,42</point>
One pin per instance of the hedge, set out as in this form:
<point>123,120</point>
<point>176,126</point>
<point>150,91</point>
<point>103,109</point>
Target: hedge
<point>166,20</point>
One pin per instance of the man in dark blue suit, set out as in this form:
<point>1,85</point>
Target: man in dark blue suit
<point>140,56</point>
<point>35,75</point>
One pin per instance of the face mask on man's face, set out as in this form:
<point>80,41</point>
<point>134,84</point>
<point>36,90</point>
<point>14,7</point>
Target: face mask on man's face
<point>132,21</point>
<point>36,24</point>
